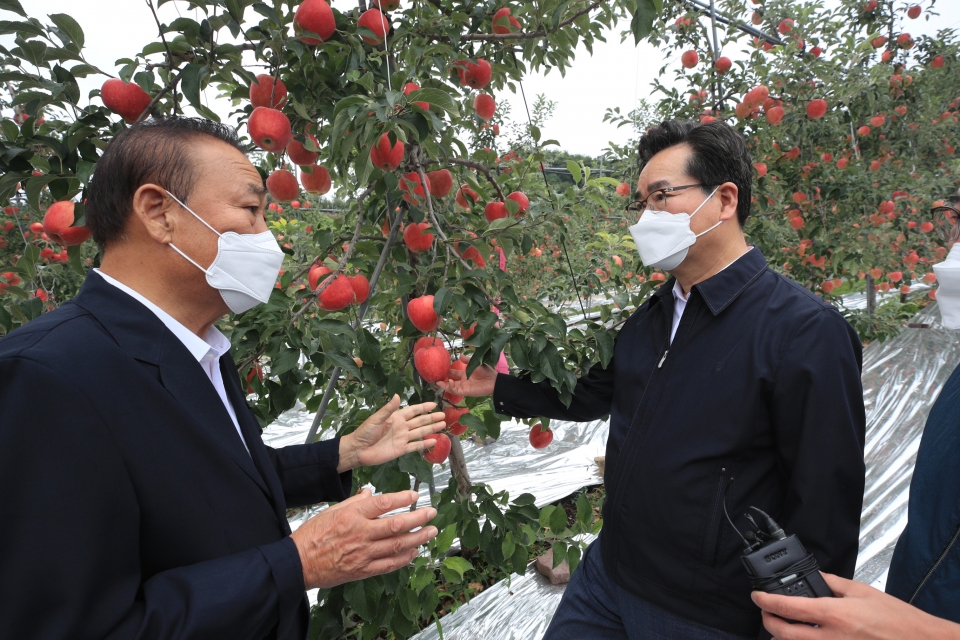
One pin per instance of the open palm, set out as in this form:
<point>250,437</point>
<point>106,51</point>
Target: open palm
<point>392,432</point>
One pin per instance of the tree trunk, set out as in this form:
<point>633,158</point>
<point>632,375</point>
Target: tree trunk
<point>871,296</point>
<point>458,467</point>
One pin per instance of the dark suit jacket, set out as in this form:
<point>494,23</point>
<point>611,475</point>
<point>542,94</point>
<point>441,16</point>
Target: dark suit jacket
<point>129,507</point>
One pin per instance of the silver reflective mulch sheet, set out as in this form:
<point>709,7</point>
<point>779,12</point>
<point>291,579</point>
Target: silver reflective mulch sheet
<point>901,380</point>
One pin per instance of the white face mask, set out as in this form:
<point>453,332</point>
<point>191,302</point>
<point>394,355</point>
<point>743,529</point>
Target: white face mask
<point>948,292</point>
<point>663,238</point>
<point>246,267</point>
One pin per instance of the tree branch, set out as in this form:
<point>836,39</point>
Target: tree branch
<point>433,217</point>
<point>495,37</point>
<point>156,98</point>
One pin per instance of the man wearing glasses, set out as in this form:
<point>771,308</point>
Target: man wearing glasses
<point>925,570</point>
<point>730,387</point>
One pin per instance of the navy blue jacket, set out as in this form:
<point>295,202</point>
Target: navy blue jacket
<point>757,399</point>
<point>925,569</point>
<point>130,508</point>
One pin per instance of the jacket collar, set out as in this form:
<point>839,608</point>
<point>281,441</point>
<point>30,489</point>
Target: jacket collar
<point>727,285</point>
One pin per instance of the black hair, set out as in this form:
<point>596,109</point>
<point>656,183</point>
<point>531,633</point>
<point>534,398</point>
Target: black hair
<point>153,151</point>
<point>720,155</point>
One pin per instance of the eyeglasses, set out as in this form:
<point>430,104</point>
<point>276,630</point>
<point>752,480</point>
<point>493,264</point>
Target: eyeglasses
<point>657,200</point>
<point>946,220</point>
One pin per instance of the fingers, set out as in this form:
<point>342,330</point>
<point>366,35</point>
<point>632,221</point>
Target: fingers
<point>417,409</point>
<point>401,524</point>
<point>783,630</point>
<point>799,609</point>
<point>840,587</point>
<point>400,544</point>
<point>363,494</point>
<point>389,408</point>
<point>376,506</point>
<point>420,445</point>
<point>422,432</point>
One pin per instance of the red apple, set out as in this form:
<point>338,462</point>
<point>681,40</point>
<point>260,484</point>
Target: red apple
<point>299,154</point>
<point>877,121</point>
<point>269,129</point>
<point>439,452</point>
<point>761,168</point>
<point>466,332</point>
<point>785,26</point>
<point>316,272</point>
<point>126,99</point>
<point>361,287</point>
<point>409,88</point>
<point>440,183</point>
<point>282,185</point>
<point>387,5</point>
<point>540,437</point>
<point>495,210</point>
<point>466,197</point>
<point>863,131</point>
<point>689,58</point>
<point>474,74</point>
<point>774,115</point>
<point>452,417</point>
<point>376,22</point>
<point>425,342</point>
<point>503,22</point>
<point>904,41</point>
<point>421,314</point>
<point>723,64</point>
<point>878,42</point>
<point>317,180</point>
<point>432,363</point>
<point>56,224</point>
<point>315,16</point>
<point>522,200</point>
<point>415,238</point>
<point>484,105</point>
<point>914,12</point>
<point>816,108</point>
<point>412,189</point>
<point>338,295</point>
<point>262,88</point>
<point>384,156</point>
<point>937,62</point>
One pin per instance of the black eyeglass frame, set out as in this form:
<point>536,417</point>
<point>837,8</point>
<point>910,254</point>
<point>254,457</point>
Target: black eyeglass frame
<point>940,215</point>
<point>638,206</point>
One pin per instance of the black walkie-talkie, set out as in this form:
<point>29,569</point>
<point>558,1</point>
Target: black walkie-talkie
<point>778,563</point>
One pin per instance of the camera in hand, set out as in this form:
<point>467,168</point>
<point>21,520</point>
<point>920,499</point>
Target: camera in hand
<point>778,563</point>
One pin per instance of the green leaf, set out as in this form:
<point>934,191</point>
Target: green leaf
<point>519,560</point>
<point>574,170</point>
<point>14,6</point>
<point>545,514</point>
<point>559,553</point>
<point>435,97</point>
<point>470,538</point>
<point>584,510</point>
<point>69,27</point>
<point>558,520</point>
<point>573,558</point>
<point>508,546</point>
<point>445,538</point>
<point>458,564</point>
<point>472,422</point>
<point>441,300</point>
<point>190,82</point>
<point>642,23</point>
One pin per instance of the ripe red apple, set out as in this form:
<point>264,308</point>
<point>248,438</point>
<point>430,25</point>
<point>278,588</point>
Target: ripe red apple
<point>412,189</point>
<point>870,6</point>
<point>799,197</point>
<point>937,62</point>
<point>299,154</point>
<point>930,277</point>
<point>282,185</point>
<point>339,294</point>
<point>376,22</point>
<point>863,131</point>
<point>689,58</point>
<point>262,88</point>
<point>422,316</point>
<point>474,74</point>
<point>466,332</point>
<point>494,211</point>
<point>756,96</point>
<point>723,64</point>
<point>432,363</point>
<point>484,105</point>
<point>503,22</point>
<point>415,238</point>
<point>904,41</point>
<point>774,115</point>
<point>409,88</point>
<point>426,341</point>
<point>385,157</point>
<point>796,222</point>
<point>315,16</point>
<point>316,272</point>
<point>842,163</point>
<point>875,165</point>
<point>761,168</point>
<point>361,287</point>
<point>877,121</point>
<point>785,26</point>
<point>317,181</point>
<point>914,12</point>
<point>827,286</point>
<point>816,108</point>
<point>816,51</point>
<point>793,154</point>
<point>895,276</point>
<point>440,183</point>
<point>466,197</point>
<point>540,437</point>
<point>452,417</point>
<point>885,58</point>
<point>439,452</point>
<point>926,227</point>
<point>269,128</point>
<point>126,99</point>
<point>878,42</point>
<point>522,200</point>
<point>56,224</point>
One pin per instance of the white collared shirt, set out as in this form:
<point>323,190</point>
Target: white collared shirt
<point>680,300</point>
<point>206,350</point>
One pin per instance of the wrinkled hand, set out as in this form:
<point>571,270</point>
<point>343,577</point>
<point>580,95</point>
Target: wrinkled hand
<point>859,612</point>
<point>350,541</point>
<point>390,433</point>
<point>480,383</point>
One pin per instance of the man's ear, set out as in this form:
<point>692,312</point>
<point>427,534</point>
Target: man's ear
<point>154,208</point>
<point>729,198</point>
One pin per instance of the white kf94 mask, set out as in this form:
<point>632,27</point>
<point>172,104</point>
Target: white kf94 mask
<point>246,267</point>
<point>948,292</point>
<point>663,238</point>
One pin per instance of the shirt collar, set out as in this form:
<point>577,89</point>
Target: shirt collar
<point>678,292</point>
<point>724,287</point>
<point>213,341</point>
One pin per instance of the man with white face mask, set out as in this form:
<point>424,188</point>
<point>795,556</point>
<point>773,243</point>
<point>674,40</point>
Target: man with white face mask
<point>138,498</point>
<point>924,579</point>
<point>731,387</point>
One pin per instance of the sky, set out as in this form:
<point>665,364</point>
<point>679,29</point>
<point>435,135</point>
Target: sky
<point>618,74</point>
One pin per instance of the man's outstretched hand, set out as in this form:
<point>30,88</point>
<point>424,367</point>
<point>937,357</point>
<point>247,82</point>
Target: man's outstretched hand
<point>480,383</point>
<point>350,541</point>
<point>390,433</point>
